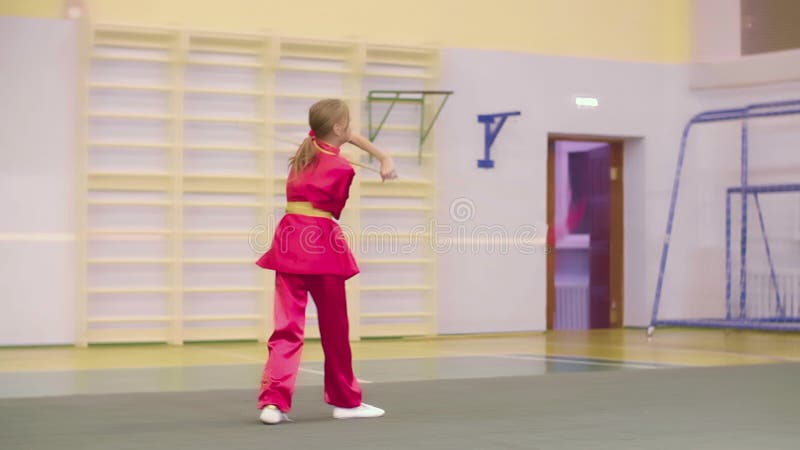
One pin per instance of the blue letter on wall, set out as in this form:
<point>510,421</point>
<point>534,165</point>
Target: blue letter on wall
<point>491,134</point>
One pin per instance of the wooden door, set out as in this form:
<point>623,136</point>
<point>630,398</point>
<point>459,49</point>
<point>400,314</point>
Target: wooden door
<point>599,210</point>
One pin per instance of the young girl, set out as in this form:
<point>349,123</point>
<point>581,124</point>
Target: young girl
<point>309,255</point>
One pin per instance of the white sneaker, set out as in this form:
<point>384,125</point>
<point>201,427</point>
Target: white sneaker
<point>364,411</point>
<point>272,415</point>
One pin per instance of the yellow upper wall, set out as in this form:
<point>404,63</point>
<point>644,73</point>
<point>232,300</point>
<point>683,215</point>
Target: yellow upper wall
<point>50,9</point>
<point>634,30</point>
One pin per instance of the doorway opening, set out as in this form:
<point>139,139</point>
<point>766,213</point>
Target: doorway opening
<point>585,233</point>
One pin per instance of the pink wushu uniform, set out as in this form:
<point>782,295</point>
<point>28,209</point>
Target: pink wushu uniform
<point>310,255</point>
<point>308,244</point>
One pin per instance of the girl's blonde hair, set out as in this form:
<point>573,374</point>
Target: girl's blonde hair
<point>322,116</point>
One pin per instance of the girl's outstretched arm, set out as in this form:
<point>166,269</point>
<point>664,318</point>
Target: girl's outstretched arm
<point>387,164</point>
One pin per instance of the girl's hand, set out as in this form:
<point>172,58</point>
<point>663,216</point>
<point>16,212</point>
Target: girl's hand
<point>387,168</point>
<point>387,164</point>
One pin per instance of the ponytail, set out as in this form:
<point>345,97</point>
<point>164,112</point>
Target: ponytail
<point>304,157</point>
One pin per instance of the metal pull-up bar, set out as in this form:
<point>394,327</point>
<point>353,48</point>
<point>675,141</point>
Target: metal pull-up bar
<point>394,97</point>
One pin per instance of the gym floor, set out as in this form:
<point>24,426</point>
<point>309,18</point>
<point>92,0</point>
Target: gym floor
<point>611,389</point>
<point>46,371</point>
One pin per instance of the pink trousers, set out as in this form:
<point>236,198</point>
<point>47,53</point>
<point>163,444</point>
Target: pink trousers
<point>286,343</point>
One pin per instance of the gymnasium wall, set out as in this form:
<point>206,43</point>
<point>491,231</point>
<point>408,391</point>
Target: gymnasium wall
<point>37,181</point>
<point>717,57</point>
<point>504,292</point>
<point>642,99</point>
<point>715,26</point>
<point>720,77</point>
<point>639,101</point>
<point>585,28</point>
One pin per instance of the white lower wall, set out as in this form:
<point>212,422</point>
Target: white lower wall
<point>37,181</point>
<point>649,105</point>
<point>642,102</point>
<point>38,286</point>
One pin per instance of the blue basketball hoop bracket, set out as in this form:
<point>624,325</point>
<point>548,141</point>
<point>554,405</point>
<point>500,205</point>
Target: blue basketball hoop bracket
<point>490,134</point>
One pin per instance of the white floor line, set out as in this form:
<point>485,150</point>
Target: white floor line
<point>686,350</point>
<point>560,360</point>
<point>319,372</point>
<point>577,361</point>
<point>252,359</point>
<point>232,354</point>
<point>629,362</point>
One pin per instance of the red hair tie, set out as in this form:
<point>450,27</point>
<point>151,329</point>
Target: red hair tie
<point>312,134</point>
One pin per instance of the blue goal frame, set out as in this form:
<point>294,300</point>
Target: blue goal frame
<point>774,109</point>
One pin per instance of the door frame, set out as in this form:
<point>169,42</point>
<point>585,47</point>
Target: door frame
<point>617,232</point>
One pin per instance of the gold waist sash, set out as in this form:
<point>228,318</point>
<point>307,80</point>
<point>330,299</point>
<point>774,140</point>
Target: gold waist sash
<point>306,209</point>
